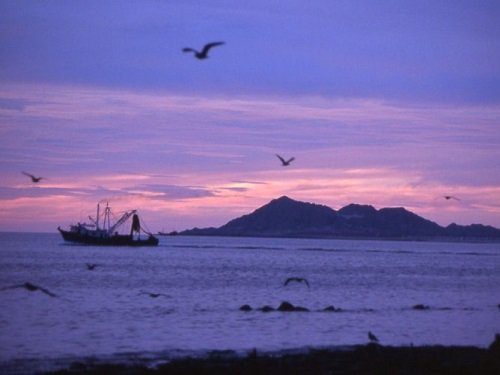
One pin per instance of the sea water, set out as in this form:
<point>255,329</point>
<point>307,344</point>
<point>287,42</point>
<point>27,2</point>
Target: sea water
<point>108,314</point>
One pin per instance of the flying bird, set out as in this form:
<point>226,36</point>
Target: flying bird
<point>203,54</point>
<point>154,295</point>
<point>372,337</point>
<point>32,288</point>
<point>33,178</point>
<point>91,266</point>
<point>284,162</point>
<point>297,279</point>
<point>448,197</point>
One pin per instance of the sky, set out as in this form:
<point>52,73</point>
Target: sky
<point>387,103</point>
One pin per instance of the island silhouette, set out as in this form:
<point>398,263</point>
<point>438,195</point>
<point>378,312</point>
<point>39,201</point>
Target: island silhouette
<point>286,217</point>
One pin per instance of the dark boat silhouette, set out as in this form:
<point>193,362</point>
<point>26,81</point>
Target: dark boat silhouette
<point>107,233</point>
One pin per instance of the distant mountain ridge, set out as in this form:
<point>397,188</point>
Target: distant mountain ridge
<point>285,217</point>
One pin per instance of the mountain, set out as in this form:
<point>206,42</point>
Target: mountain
<point>285,217</point>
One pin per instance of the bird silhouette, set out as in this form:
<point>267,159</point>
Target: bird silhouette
<point>33,178</point>
<point>448,197</point>
<point>154,295</point>
<point>372,337</point>
<point>203,54</point>
<point>284,162</point>
<point>296,279</point>
<point>91,266</point>
<point>32,288</point>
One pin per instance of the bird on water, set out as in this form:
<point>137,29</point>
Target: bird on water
<point>154,295</point>
<point>203,54</point>
<point>296,279</point>
<point>91,266</point>
<point>448,197</point>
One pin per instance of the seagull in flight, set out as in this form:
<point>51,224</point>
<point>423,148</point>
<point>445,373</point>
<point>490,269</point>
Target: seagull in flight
<point>448,197</point>
<point>32,288</point>
<point>372,337</point>
<point>154,295</point>
<point>297,279</point>
<point>33,178</point>
<point>203,54</point>
<point>284,162</point>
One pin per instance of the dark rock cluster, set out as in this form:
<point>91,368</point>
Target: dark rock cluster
<point>286,306</point>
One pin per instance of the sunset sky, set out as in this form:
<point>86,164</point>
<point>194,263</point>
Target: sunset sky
<point>387,103</point>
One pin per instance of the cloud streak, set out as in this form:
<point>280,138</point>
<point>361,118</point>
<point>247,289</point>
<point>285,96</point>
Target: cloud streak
<point>208,202</point>
<point>87,140</point>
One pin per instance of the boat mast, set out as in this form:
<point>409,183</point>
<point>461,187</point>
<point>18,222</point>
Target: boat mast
<point>97,218</point>
<point>107,217</point>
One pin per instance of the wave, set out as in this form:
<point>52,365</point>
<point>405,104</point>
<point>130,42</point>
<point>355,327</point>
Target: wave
<point>390,251</point>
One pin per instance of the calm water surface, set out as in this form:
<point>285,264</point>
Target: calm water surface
<point>103,314</point>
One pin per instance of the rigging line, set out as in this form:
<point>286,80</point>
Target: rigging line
<point>143,223</point>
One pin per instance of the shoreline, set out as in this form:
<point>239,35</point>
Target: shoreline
<point>358,359</point>
<point>471,240</point>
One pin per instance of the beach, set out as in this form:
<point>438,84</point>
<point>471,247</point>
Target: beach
<point>363,359</point>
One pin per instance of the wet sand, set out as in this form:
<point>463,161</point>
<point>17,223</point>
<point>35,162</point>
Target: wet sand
<point>365,359</point>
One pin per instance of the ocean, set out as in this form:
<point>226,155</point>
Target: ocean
<point>107,314</point>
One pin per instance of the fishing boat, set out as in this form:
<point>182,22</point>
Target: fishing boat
<point>102,232</point>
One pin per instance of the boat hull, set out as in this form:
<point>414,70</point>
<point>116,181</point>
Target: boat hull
<point>115,240</point>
